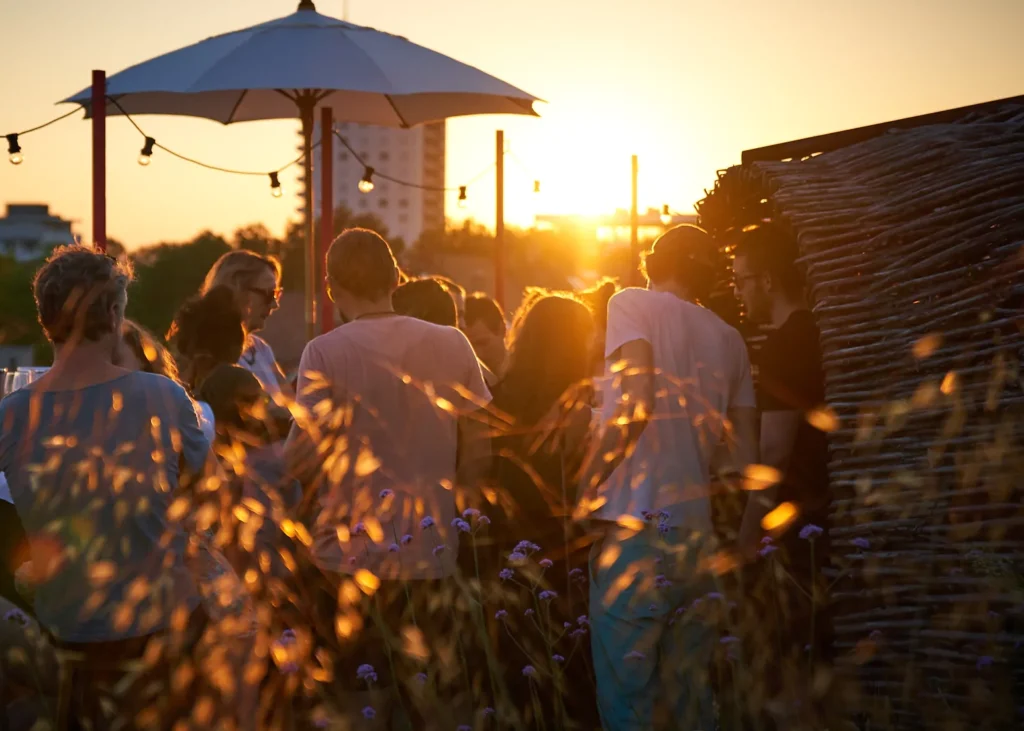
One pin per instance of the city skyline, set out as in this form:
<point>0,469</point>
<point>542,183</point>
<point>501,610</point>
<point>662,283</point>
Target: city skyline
<point>687,88</point>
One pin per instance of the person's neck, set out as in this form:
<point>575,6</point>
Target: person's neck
<point>364,308</point>
<point>83,362</point>
<point>783,308</point>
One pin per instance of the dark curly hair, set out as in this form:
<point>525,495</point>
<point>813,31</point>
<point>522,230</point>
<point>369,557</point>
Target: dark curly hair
<point>425,299</point>
<point>207,331</point>
<point>74,291</point>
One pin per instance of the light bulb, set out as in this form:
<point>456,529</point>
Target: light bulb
<point>14,150</point>
<point>536,186</point>
<point>146,152</point>
<point>366,184</point>
<point>276,192</point>
<point>666,216</point>
<point>462,196</point>
<point>275,186</point>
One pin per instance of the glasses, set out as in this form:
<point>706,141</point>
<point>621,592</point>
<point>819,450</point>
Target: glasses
<point>17,379</point>
<point>270,296</point>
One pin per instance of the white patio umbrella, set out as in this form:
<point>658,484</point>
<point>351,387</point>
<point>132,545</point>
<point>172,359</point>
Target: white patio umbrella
<point>287,68</point>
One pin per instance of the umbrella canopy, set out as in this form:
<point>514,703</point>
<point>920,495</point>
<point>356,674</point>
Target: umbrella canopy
<point>366,76</point>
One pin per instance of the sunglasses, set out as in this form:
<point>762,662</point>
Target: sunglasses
<point>268,295</point>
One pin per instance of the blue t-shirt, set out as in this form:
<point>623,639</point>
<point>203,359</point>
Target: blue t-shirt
<point>93,473</point>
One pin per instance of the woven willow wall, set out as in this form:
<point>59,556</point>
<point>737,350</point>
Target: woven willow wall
<point>914,249</point>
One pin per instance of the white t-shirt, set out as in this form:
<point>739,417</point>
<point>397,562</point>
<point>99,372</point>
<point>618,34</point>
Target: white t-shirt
<point>406,382</point>
<point>258,358</point>
<point>701,371</point>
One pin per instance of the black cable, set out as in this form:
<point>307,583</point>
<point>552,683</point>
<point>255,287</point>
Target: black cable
<point>406,183</point>
<point>200,163</point>
<point>47,124</point>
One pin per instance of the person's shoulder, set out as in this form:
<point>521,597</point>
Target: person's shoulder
<point>155,383</point>
<point>631,297</point>
<point>801,324</point>
<point>14,402</point>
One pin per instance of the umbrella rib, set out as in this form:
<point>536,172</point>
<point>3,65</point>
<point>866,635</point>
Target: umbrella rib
<point>405,125</point>
<point>234,109</point>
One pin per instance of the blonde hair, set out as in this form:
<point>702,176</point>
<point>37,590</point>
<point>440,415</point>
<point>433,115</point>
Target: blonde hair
<point>149,351</point>
<point>238,269</point>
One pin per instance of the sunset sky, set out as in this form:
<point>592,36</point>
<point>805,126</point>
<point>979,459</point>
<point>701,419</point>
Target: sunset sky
<point>686,85</point>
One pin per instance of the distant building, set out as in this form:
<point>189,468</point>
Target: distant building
<point>613,229</point>
<point>29,231</point>
<point>414,155</point>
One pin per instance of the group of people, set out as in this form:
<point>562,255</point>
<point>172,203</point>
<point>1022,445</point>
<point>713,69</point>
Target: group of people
<point>443,499</point>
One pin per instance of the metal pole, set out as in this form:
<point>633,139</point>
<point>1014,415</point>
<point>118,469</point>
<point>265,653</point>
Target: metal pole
<point>634,231</point>
<point>499,226</point>
<point>326,213</point>
<point>99,160</point>
<point>307,104</point>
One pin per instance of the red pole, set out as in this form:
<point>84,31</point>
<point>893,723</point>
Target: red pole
<point>99,160</point>
<point>499,227</point>
<point>326,212</point>
<point>634,232</point>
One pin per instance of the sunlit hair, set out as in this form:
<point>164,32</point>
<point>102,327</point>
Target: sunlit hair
<point>361,263</point>
<point>549,353</point>
<point>481,307</point>
<point>684,255</point>
<point>453,287</point>
<point>425,299</point>
<point>207,332</point>
<point>769,249</point>
<point>596,298</point>
<point>149,351</point>
<point>240,269</point>
<point>74,291</point>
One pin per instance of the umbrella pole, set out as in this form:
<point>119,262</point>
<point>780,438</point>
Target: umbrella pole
<point>99,160</point>
<point>307,105</point>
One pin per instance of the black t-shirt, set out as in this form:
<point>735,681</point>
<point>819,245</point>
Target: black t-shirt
<point>791,378</point>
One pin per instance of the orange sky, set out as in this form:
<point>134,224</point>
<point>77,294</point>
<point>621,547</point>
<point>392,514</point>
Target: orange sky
<point>686,85</point>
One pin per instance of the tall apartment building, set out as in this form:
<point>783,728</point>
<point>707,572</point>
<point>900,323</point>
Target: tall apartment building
<point>414,155</point>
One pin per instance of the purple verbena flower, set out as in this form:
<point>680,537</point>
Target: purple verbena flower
<point>713,595</point>
<point>529,671</point>
<point>483,520</point>
<point>427,522</point>
<point>488,711</point>
<point>983,662</point>
<point>516,558</point>
<point>767,551</point>
<point>635,655</point>
<point>369,713</point>
<point>526,547</point>
<point>662,582</point>
<point>545,563</point>
<point>358,529</point>
<point>290,667</point>
<point>577,633</point>
<point>17,616</point>
<point>728,640</point>
<point>577,576</point>
<point>438,550</point>
<point>461,525</point>
<point>767,540</point>
<point>287,637</point>
<point>506,574</point>
<point>393,548</point>
<point>647,515</point>
<point>861,543</point>
<point>421,678</point>
<point>663,515</point>
<point>652,607</point>
<point>528,613</point>
<point>558,658</point>
<point>566,625</point>
<point>500,614</point>
<point>470,513</point>
<point>810,532</point>
<point>386,493</point>
<point>664,528</point>
<point>583,620</point>
<point>547,595</point>
<point>406,539</point>
<point>367,673</point>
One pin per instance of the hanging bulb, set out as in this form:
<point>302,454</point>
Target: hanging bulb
<point>666,216</point>
<point>275,186</point>
<point>366,184</point>
<point>462,196</point>
<point>536,186</point>
<point>14,150</point>
<point>147,152</point>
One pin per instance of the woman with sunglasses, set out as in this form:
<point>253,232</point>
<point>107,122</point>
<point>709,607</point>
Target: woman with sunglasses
<point>256,282</point>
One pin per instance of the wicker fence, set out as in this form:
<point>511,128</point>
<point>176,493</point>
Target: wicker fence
<point>913,242</point>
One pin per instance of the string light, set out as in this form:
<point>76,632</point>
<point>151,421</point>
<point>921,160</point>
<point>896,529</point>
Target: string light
<point>462,196</point>
<point>536,186</point>
<point>14,150</point>
<point>666,215</point>
<point>147,152</point>
<point>275,186</point>
<point>366,184</point>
